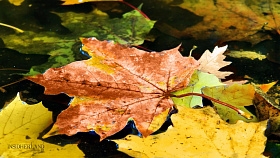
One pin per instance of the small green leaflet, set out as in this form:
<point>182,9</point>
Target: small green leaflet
<point>198,81</point>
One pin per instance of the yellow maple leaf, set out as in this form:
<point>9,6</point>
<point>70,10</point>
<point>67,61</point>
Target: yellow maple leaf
<point>20,126</point>
<point>199,133</point>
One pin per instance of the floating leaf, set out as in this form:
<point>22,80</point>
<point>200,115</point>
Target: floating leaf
<point>198,81</point>
<point>20,126</point>
<point>117,83</point>
<point>236,95</point>
<point>199,133</point>
<point>212,62</point>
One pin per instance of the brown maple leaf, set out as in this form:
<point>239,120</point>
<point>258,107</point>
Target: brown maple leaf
<point>117,83</point>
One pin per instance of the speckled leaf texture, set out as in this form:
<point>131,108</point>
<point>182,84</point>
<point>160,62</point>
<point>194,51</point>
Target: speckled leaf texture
<point>117,83</point>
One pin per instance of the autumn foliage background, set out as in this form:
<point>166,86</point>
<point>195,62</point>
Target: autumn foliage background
<point>108,73</point>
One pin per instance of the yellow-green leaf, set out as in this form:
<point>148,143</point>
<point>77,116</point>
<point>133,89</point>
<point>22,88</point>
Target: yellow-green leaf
<point>236,95</point>
<point>198,81</point>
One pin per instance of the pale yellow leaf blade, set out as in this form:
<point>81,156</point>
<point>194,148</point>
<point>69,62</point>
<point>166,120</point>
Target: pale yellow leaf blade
<point>213,62</point>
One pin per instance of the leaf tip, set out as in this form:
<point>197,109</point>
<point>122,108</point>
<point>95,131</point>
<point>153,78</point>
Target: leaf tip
<point>266,87</point>
<point>52,132</point>
<point>246,115</point>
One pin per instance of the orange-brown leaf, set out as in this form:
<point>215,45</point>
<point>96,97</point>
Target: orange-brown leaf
<point>115,84</point>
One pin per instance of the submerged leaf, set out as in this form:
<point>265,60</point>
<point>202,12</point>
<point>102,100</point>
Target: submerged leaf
<point>199,133</point>
<point>228,20</point>
<point>63,49</point>
<point>117,83</point>
<point>131,29</point>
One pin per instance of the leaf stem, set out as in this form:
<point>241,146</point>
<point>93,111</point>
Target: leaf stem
<point>240,112</point>
<point>15,69</point>
<point>12,27</point>
<point>193,48</point>
<point>6,85</point>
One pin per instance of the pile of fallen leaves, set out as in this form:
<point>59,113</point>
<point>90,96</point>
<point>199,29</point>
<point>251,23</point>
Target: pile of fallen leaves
<point>119,84</point>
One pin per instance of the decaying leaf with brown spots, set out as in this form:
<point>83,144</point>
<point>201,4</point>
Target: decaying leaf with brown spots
<point>117,83</point>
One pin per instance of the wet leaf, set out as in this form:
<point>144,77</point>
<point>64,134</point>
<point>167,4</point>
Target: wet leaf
<point>266,108</point>
<point>228,20</point>
<point>199,133</point>
<point>247,54</point>
<point>236,95</point>
<point>198,81</point>
<point>212,62</point>
<point>19,120</point>
<point>20,126</point>
<point>117,83</point>
<point>131,29</point>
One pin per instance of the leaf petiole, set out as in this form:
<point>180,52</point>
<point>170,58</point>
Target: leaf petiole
<point>6,85</point>
<point>193,48</point>
<point>12,27</point>
<point>240,112</point>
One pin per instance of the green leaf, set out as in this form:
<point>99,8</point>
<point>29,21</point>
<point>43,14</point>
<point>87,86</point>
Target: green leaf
<point>198,81</point>
<point>131,29</point>
<point>236,95</point>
